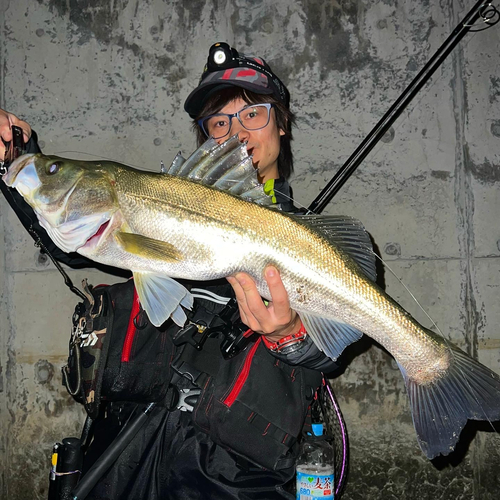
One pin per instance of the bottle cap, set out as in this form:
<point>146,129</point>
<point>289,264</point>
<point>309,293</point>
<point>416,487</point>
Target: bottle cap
<point>317,429</point>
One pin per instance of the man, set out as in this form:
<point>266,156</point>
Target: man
<point>227,426</point>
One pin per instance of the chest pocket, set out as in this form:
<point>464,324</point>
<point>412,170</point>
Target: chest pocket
<point>254,404</point>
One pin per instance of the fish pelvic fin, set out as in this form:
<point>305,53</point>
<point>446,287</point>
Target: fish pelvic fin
<point>137,244</point>
<point>330,336</point>
<point>440,409</point>
<point>162,298</point>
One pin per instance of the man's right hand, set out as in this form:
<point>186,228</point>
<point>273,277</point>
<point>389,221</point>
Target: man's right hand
<point>6,122</point>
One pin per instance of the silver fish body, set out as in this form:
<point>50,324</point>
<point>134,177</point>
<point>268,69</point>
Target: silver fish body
<point>162,226</point>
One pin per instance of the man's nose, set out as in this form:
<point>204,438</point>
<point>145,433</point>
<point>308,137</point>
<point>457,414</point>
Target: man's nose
<point>238,128</point>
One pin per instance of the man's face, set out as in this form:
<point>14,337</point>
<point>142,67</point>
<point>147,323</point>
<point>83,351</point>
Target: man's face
<point>263,144</point>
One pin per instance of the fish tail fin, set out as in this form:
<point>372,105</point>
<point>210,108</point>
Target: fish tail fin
<point>440,409</point>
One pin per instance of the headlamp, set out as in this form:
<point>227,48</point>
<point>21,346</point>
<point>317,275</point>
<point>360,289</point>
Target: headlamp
<point>222,56</point>
<point>219,57</point>
<point>225,67</point>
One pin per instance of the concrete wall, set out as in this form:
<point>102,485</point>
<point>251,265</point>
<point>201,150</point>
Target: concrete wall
<point>110,78</point>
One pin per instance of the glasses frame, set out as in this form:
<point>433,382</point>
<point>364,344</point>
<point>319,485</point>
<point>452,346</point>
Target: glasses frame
<point>268,105</point>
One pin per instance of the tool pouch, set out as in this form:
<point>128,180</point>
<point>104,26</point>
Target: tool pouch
<point>88,348</point>
<point>115,353</point>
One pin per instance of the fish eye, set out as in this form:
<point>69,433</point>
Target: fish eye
<point>53,168</point>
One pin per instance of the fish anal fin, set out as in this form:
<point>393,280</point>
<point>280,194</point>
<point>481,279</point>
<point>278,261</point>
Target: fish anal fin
<point>137,244</point>
<point>330,336</point>
<point>162,298</point>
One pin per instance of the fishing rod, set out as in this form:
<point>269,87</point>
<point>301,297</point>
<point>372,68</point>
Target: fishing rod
<point>490,16</point>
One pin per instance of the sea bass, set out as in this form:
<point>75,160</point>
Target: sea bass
<point>205,219</point>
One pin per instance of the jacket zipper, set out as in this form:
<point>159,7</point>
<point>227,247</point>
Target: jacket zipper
<point>131,329</point>
<point>242,377</point>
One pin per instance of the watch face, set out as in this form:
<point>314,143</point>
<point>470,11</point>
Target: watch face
<point>292,347</point>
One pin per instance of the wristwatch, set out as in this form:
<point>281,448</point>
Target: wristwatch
<point>288,344</point>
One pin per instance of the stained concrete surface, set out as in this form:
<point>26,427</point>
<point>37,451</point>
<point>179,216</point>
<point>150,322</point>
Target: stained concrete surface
<point>109,79</point>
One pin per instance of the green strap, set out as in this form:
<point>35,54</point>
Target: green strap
<point>269,189</point>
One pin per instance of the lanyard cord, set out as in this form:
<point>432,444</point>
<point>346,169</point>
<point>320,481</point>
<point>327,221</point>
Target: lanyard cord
<point>43,248</point>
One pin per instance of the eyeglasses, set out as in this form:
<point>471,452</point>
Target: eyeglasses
<point>252,117</point>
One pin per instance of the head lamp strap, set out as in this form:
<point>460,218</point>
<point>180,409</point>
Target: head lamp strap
<point>259,67</point>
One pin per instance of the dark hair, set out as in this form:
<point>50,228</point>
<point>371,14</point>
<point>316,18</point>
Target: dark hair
<point>284,120</point>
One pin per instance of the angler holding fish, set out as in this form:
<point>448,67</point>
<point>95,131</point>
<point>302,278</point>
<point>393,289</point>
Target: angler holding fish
<point>203,220</point>
<point>238,400</point>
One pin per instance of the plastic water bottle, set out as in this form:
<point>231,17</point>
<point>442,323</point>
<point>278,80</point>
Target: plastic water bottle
<point>315,467</point>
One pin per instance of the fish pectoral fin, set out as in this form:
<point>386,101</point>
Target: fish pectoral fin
<point>162,298</point>
<point>137,244</point>
<point>331,336</point>
<point>441,407</point>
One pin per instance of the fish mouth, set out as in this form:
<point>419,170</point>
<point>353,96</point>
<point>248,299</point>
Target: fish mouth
<point>17,165</point>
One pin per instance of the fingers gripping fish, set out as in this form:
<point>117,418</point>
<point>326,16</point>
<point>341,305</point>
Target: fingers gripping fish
<point>205,219</point>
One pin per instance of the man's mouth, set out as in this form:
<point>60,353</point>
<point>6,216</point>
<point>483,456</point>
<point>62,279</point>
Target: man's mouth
<point>250,153</point>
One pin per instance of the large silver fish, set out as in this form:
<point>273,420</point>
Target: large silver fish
<point>205,220</point>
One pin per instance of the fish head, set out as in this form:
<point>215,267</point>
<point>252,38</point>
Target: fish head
<point>72,199</point>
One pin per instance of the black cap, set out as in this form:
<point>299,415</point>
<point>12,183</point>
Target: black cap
<point>226,68</point>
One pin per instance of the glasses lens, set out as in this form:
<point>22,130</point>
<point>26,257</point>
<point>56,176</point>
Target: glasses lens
<point>255,117</point>
<point>216,126</point>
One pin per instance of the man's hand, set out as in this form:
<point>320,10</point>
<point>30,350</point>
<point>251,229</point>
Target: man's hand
<point>277,319</point>
<point>6,122</point>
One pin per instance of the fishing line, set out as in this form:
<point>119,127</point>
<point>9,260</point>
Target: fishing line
<point>409,292</point>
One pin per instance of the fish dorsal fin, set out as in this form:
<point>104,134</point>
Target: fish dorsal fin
<point>350,235</point>
<point>226,166</point>
<point>177,162</point>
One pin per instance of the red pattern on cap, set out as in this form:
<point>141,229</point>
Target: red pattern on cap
<point>247,72</point>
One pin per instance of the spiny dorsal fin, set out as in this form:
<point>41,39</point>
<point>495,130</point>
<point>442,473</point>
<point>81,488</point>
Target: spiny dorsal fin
<point>176,164</point>
<point>225,166</point>
<point>349,234</point>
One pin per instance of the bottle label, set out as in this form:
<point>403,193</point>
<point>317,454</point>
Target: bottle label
<point>311,486</point>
